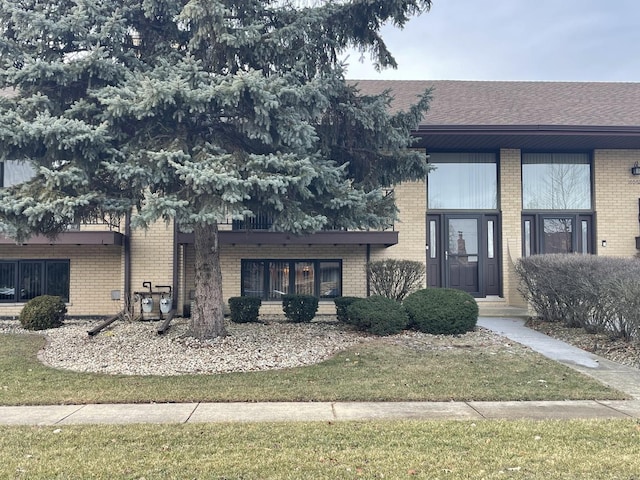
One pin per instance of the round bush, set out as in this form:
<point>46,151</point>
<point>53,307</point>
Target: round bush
<point>244,309</point>
<point>299,308</point>
<point>342,303</point>
<point>377,315</point>
<point>40,313</point>
<point>441,311</point>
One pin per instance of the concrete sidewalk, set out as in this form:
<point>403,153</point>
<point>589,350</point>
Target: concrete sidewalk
<point>311,411</point>
<point>623,378</point>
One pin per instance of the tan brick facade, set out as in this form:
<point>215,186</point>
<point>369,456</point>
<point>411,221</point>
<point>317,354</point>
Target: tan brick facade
<point>617,193</point>
<point>97,271</point>
<point>511,209</point>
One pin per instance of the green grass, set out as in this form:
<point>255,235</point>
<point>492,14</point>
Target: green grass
<point>370,372</point>
<point>574,449</point>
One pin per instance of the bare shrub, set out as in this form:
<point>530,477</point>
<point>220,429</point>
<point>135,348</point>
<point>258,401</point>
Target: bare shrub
<point>600,294</point>
<point>395,279</point>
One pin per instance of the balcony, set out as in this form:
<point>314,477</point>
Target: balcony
<point>93,232</point>
<point>256,231</point>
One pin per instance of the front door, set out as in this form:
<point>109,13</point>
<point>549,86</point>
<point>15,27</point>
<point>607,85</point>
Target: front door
<point>462,253</point>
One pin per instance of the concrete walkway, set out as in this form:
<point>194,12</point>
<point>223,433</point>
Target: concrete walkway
<point>623,378</point>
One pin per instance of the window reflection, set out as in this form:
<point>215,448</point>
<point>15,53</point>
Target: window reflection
<point>558,234</point>
<point>553,181</point>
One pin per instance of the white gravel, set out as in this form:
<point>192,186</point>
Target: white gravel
<point>135,348</point>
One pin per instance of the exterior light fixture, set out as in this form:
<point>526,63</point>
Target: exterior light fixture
<point>635,170</point>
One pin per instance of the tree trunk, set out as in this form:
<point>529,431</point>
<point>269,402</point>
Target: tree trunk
<point>207,317</point>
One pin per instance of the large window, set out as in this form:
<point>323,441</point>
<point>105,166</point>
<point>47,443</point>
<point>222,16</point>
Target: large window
<point>270,279</point>
<point>556,181</point>
<point>556,199</point>
<point>463,181</point>
<point>22,280</point>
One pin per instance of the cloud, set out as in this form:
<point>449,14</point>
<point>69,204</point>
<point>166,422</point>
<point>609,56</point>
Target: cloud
<point>573,40</point>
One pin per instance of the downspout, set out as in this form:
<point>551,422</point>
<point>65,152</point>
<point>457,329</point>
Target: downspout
<point>127,262</point>
<point>367,269</point>
<point>174,280</point>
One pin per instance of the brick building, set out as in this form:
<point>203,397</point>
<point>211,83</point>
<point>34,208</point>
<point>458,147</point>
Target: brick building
<point>521,168</point>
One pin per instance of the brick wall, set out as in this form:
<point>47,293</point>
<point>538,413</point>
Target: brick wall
<point>152,256</point>
<point>616,202</point>
<point>95,271</point>
<point>353,265</point>
<point>511,208</point>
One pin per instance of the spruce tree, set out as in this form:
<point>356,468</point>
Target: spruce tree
<point>200,110</point>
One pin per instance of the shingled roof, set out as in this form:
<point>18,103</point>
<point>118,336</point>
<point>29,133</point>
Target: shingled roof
<point>494,108</point>
<point>517,103</point>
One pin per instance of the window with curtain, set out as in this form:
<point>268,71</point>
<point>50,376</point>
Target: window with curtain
<point>270,279</point>
<point>22,280</point>
<point>556,181</point>
<point>463,181</point>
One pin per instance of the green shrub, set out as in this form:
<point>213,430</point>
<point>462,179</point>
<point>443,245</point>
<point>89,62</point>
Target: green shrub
<point>342,303</point>
<point>40,313</point>
<point>299,308</point>
<point>377,315</point>
<point>244,309</point>
<point>441,311</point>
<point>395,279</point>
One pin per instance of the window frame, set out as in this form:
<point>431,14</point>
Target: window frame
<point>43,280</point>
<point>291,287</point>
<point>535,244</point>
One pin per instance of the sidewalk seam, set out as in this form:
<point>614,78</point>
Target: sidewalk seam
<point>192,412</point>
<point>70,414</point>
<point>468,404</point>
<point>614,409</point>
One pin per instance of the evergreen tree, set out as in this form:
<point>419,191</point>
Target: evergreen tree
<point>197,110</point>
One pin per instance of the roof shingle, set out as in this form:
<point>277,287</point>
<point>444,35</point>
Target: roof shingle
<point>500,103</point>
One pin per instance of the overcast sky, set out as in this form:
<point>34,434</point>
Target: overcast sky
<point>560,40</point>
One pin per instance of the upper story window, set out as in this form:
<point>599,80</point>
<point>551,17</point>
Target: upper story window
<point>13,172</point>
<point>556,181</point>
<point>463,181</point>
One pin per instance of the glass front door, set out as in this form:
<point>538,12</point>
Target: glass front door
<point>462,253</point>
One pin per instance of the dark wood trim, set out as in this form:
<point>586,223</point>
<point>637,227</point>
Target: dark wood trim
<point>254,237</point>
<point>72,238</point>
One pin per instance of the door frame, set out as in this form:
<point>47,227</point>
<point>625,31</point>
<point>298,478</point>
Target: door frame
<point>437,261</point>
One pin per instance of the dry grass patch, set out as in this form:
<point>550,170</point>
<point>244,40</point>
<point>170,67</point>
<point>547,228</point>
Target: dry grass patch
<point>453,450</point>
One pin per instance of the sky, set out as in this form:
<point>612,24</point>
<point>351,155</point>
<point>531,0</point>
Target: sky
<point>542,40</point>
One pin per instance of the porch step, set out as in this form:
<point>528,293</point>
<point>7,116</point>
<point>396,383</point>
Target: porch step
<point>501,309</point>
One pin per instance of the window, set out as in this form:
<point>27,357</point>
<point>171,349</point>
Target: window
<point>556,181</point>
<point>557,233</point>
<point>556,197</point>
<point>270,279</point>
<point>463,181</point>
<point>15,171</point>
<point>22,280</point>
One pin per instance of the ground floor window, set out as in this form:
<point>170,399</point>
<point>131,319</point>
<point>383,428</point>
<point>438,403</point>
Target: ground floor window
<point>22,280</point>
<point>559,232</point>
<point>270,279</point>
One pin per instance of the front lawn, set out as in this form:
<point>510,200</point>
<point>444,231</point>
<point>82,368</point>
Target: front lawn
<point>375,371</point>
<point>576,449</point>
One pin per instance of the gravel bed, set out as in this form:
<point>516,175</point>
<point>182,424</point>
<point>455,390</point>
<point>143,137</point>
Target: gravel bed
<point>134,348</point>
